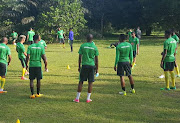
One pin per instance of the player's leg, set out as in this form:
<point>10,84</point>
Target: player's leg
<point>3,70</point>
<point>166,74</point>
<point>63,41</point>
<point>39,77</point>
<point>120,72</point>
<point>134,59</point>
<point>177,69</point>
<point>71,45</point>
<point>23,69</point>
<point>172,74</point>
<point>32,77</point>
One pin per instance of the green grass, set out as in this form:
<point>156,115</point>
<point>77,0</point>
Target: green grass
<point>59,86</point>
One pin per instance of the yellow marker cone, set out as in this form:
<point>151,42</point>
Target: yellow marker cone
<point>18,121</point>
<point>68,67</point>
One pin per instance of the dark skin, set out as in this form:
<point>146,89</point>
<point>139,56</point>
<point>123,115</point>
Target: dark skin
<point>90,84</point>
<point>164,54</point>
<point>122,77</point>
<point>45,62</point>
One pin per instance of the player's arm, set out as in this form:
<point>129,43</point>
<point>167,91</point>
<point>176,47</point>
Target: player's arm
<point>9,59</point>
<point>45,61</point>
<point>131,56</point>
<point>79,61</point>
<point>163,57</point>
<point>16,49</point>
<point>96,63</point>
<point>27,37</point>
<point>137,46</point>
<point>27,60</point>
<point>117,58</point>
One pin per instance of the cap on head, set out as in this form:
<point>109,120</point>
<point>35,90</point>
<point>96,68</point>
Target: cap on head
<point>89,37</point>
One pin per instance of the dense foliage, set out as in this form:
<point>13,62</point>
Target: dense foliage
<point>102,16</point>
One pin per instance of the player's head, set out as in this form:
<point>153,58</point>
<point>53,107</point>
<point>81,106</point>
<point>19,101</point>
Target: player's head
<point>36,38</point>
<point>30,29</point>
<point>138,27</point>
<point>59,28</point>
<point>70,29</point>
<point>173,31</point>
<point>167,33</point>
<point>133,34</point>
<point>130,30</point>
<point>5,40</point>
<point>89,37</point>
<point>122,37</point>
<point>14,31</point>
<point>22,38</point>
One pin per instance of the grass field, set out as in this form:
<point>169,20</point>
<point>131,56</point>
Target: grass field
<point>59,86</point>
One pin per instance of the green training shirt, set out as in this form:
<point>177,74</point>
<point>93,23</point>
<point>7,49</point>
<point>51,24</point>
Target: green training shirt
<point>4,52</point>
<point>35,51</point>
<point>20,49</point>
<point>176,38</point>
<point>60,34</point>
<point>88,51</point>
<point>31,34</point>
<point>14,35</point>
<point>124,53</point>
<point>170,45</point>
<point>130,34</point>
<point>135,42</point>
<point>42,42</point>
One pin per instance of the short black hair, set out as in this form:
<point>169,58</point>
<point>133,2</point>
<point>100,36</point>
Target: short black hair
<point>173,30</point>
<point>133,33</point>
<point>89,37</point>
<point>168,32</point>
<point>35,37</point>
<point>122,37</point>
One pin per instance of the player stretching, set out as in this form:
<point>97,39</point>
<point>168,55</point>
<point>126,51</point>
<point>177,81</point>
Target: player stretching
<point>168,60</point>
<point>30,35</point>
<point>135,45</point>
<point>87,53</point>
<point>14,36</point>
<point>4,52</point>
<point>35,53</point>
<point>177,40</point>
<point>22,55</point>
<point>123,62</point>
<point>61,36</point>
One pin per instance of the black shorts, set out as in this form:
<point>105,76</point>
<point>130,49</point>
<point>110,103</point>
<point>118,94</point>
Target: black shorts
<point>23,62</point>
<point>87,73</point>
<point>3,69</point>
<point>134,54</point>
<point>30,42</point>
<point>168,66</point>
<point>124,67</point>
<point>35,73</point>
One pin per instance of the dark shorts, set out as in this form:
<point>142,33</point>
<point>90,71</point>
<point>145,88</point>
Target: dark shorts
<point>124,67</point>
<point>3,69</point>
<point>61,40</point>
<point>168,66</point>
<point>23,62</point>
<point>87,73</point>
<point>35,73</point>
<point>134,54</point>
<point>70,42</point>
<point>30,42</point>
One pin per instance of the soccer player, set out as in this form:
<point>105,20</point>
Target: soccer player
<point>71,38</point>
<point>135,45</point>
<point>22,55</point>
<point>42,42</point>
<point>35,52</point>
<point>123,63</point>
<point>4,52</point>
<point>14,36</point>
<point>168,60</point>
<point>30,35</point>
<point>61,36</point>
<point>87,53</point>
<point>177,40</point>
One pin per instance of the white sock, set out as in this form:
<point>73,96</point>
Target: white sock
<point>88,96</point>
<point>78,95</point>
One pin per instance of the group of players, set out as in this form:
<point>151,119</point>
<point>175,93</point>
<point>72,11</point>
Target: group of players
<point>88,60</point>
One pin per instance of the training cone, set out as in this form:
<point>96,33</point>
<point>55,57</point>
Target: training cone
<point>68,67</point>
<point>18,121</point>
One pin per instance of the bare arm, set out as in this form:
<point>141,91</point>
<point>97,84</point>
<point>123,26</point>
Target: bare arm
<point>80,58</point>
<point>97,64</point>
<point>25,54</point>
<point>163,57</point>
<point>9,61</point>
<point>137,49</point>
<point>27,60</point>
<point>27,37</point>
<point>45,61</point>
